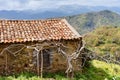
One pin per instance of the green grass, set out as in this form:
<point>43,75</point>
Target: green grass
<point>95,70</point>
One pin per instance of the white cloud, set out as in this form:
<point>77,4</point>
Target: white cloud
<point>108,3</point>
<point>52,4</point>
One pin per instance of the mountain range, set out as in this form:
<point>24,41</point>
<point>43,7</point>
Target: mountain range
<point>66,10</point>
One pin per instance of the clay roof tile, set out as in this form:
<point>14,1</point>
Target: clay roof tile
<point>35,30</point>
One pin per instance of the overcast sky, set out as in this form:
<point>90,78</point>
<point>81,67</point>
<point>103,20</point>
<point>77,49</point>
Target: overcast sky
<point>53,4</point>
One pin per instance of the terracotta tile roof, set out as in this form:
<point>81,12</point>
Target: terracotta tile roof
<point>34,30</point>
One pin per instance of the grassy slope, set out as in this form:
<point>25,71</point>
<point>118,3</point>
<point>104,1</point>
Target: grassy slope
<point>97,70</point>
<point>102,71</point>
<point>104,40</point>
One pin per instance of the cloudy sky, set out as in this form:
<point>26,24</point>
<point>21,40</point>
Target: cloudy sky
<point>53,4</point>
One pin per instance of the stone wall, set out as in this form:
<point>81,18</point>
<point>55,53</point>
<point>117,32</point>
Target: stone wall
<point>23,61</point>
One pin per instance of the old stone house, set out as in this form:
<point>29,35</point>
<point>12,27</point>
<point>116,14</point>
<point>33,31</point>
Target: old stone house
<point>15,35</point>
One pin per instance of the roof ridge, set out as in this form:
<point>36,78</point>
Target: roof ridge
<point>30,19</point>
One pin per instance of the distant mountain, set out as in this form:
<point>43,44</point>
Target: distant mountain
<point>88,21</point>
<point>38,14</point>
<point>29,14</point>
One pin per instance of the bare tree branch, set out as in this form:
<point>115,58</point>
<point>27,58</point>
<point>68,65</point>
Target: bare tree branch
<point>11,46</point>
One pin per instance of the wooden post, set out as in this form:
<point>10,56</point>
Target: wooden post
<point>38,63</point>
<point>6,64</point>
<point>41,64</point>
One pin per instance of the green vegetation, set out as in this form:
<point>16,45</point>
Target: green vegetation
<point>86,22</point>
<point>104,40</point>
<point>97,70</point>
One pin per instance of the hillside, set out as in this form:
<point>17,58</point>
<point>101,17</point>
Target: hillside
<point>104,40</point>
<point>86,22</point>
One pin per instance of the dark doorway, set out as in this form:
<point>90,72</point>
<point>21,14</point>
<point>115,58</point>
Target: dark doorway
<point>46,57</point>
